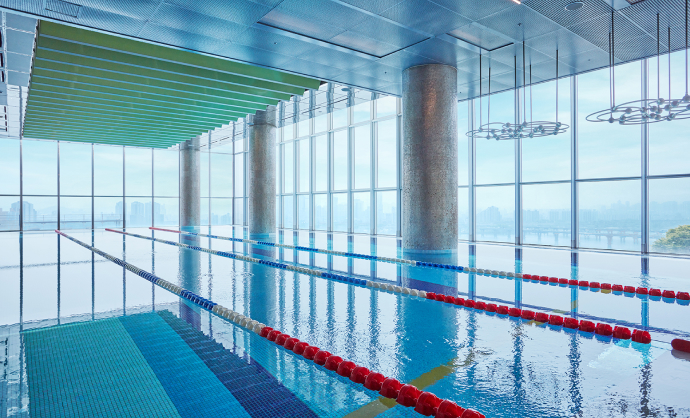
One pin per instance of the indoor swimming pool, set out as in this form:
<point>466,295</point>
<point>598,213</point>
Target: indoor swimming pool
<point>83,336</point>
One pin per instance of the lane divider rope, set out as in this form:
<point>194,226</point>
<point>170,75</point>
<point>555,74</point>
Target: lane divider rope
<point>682,298</point>
<point>602,329</point>
<point>407,395</point>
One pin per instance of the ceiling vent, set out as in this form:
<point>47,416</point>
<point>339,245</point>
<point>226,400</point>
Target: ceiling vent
<point>63,7</point>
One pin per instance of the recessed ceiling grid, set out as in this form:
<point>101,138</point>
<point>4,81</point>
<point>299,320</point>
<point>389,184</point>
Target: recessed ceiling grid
<point>93,87</point>
<point>368,44</point>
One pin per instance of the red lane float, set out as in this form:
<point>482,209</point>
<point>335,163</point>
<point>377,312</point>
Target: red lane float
<point>681,345</point>
<point>407,395</point>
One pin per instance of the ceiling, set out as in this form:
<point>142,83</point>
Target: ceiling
<point>95,87</point>
<point>367,43</point>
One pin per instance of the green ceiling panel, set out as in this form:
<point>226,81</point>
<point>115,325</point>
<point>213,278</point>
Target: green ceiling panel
<point>168,90</point>
<point>59,86</point>
<point>54,49</point>
<point>73,34</point>
<point>54,91</point>
<point>86,66</point>
<point>109,119</point>
<point>94,87</point>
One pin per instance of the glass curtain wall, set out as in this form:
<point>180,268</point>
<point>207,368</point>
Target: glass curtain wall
<point>600,185</point>
<point>66,185</point>
<point>338,162</point>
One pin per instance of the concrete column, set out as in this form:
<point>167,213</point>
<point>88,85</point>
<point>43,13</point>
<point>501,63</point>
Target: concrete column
<point>190,185</point>
<point>430,159</point>
<point>261,173</point>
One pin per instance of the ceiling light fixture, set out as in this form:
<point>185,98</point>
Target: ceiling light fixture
<point>647,111</point>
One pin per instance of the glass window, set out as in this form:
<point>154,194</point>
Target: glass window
<point>463,143</point>
<point>496,213</point>
<point>288,170</point>
<point>303,211</point>
<point>610,214</point>
<point>361,112</point>
<point>75,212</point>
<point>204,164</point>
<point>166,176</point>
<point>548,158</point>
<point>340,118</point>
<point>139,211</point>
<point>239,211</point>
<point>9,166</point>
<point>546,214</point>
<point>288,211</point>
<point>75,170</point>
<point>40,213</point>
<point>321,123</point>
<point>39,167</point>
<point>665,154</point>
<point>463,213</point>
<point>289,132</point>
<point>204,217</point>
<point>669,215</point>
<point>361,211</point>
<point>239,175</point>
<point>303,149</point>
<point>321,212</point>
<point>599,142</point>
<point>221,211</point>
<point>107,212</point>
<point>340,160</point>
<point>386,156</point>
<point>138,173</point>
<point>166,211</point>
<point>321,163</point>
<point>107,169</point>
<point>221,175</point>
<point>386,106</point>
<point>496,159</point>
<point>9,213</point>
<point>339,209</point>
<point>386,212</point>
<point>362,156</point>
<point>303,125</point>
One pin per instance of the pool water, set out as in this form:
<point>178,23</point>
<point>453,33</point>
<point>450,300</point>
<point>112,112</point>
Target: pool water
<point>81,336</point>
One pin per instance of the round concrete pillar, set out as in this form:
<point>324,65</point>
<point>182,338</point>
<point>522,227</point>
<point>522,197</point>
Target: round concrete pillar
<point>190,185</point>
<point>430,159</point>
<point>261,173</point>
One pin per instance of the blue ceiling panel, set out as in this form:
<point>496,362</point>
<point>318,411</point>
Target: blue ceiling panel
<point>362,81</point>
<point>588,60</point>
<point>294,23</point>
<point>387,32</point>
<point>380,71</point>
<point>362,43</point>
<point>425,16</point>
<point>183,19</point>
<point>555,10</point>
<point>477,35</point>
<point>547,71</point>
<point>270,41</point>
<point>18,62</point>
<point>507,55</point>
<point>310,68</point>
<point>324,11</point>
<point>404,59</point>
<point>104,20</point>
<point>565,41</point>
<point>19,42</point>
<point>20,22</point>
<point>18,79</point>
<point>471,65</point>
<point>254,55</point>
<point>373,6</point>
<point>135,9</point>
<point>242,12</point>
<point>335,58</point>
<point>519,23</point>
<point>470,9</point>
<point>441,51</point>
<point>188,40</point>
<point>596,31</point>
